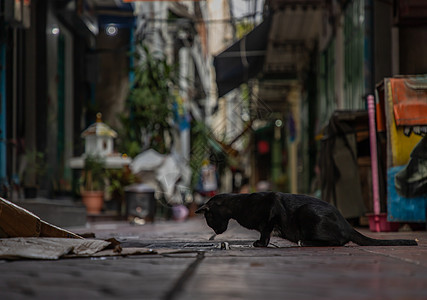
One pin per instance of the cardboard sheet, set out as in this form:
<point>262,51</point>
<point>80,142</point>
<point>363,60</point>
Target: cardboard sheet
<point>16,221</point>
<point>56,248</point>
<point>48,248</point>
<point>24,236</point>
<point>111,252</point>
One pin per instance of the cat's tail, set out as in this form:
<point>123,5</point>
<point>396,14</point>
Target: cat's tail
<point>362,240</point>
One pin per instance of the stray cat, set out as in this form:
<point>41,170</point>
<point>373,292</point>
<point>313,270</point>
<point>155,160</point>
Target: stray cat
<point>301,219</point>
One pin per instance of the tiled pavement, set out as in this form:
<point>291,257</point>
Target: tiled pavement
<point>203,271</point>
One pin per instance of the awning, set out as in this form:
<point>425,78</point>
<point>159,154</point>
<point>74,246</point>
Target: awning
<point>243,60</point>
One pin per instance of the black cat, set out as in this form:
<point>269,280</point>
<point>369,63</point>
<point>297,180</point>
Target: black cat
<point>301,219</point>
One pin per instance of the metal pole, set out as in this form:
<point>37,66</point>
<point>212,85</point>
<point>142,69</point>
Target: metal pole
<point>374,159</point>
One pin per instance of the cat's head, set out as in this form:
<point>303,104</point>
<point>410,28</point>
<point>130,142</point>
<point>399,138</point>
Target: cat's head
<point>217,214</point>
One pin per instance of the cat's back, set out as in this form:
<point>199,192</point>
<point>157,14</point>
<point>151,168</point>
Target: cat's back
<point>257,200</point>
<point>294,201</point>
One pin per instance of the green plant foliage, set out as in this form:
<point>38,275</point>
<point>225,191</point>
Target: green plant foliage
<point>243,28</point>
<point>149,106</point>
<point>35,167</point>
<point>36,162</point>
<point>119,179</point>
<point>205,149</point>
<point>94,173</point>
<point>199,149</point>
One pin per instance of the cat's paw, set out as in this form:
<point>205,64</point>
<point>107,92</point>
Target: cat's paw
<point>259,244</point>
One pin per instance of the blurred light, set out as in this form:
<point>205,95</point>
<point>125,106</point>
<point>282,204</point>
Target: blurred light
<point>55,30</point>
<point>111,30</point>
<point>245,117</point>
<point>278,123</point>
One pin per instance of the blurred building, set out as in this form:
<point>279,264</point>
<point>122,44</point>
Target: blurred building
<point>320,56</point>
<point>57,75</point>
<point>63,61</point>
<point>267,96</point>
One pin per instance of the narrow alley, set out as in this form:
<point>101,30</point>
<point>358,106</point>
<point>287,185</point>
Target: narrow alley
<point>190,264</point>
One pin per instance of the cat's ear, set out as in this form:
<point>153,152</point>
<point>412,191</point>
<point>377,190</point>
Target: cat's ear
<point>202,209</point>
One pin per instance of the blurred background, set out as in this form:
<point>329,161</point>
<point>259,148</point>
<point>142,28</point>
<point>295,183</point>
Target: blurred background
<point>155,106</point>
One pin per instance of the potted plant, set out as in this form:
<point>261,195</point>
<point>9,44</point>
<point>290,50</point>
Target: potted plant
<point>92,184</point>
<point>118,179</point>
<point>32,168</point>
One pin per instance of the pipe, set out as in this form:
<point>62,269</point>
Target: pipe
<point>374,159</point>
<point>3,116</point>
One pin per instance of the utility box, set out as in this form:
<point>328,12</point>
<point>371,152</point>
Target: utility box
<point>140,202</point>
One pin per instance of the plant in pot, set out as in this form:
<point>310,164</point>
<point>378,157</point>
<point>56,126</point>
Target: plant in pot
<point>92,184</point>
<point>118,179</point>
<point>33,167</point>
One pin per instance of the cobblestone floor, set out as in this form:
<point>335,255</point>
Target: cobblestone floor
<point>204,271</point>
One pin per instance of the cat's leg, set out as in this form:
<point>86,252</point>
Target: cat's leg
<point>317,228</point>
<point>264,238</point>
<point>262,242</point>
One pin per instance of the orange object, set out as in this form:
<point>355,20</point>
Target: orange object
<point>409,101</point>
<point>399,145</point>
<point>93,200</point>
<point>381,125</point>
